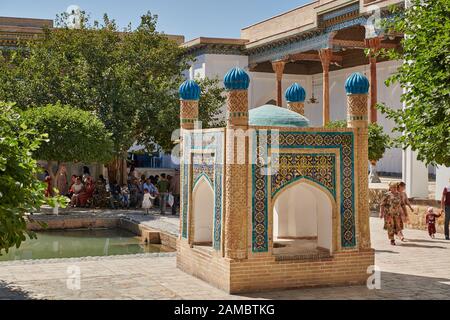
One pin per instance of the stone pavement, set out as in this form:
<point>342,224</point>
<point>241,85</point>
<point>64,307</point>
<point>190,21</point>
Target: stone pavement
<point>417,269</point>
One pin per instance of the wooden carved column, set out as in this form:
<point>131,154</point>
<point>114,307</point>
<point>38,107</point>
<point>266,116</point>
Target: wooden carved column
<point>278,68</point>
<point>374,45</point>
<point>325,58</point>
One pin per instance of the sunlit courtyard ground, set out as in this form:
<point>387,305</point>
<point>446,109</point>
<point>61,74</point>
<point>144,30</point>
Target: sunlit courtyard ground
<point>416,269</point>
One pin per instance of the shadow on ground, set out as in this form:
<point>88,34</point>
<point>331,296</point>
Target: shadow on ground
<point>393,286</point>
<point>386,251</point>
<point>414,245</point>
<point>9,293</point>
<point>428,241</point>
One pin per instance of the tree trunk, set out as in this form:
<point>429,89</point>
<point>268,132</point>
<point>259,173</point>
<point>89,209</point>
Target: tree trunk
<point>117,170</point>
<point>112,170</point>
<point>373,176</point>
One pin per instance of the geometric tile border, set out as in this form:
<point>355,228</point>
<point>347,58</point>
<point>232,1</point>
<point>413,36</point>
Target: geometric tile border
<point>313,170</point>
<point>204,155</point>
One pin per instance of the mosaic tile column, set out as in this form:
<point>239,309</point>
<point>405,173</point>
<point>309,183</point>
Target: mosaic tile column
<point>189,96</point>
<point>236,164</point>
<point>237,108</point>
<point>188,113</point>
<point>357,87</point>
<point>298,107</point>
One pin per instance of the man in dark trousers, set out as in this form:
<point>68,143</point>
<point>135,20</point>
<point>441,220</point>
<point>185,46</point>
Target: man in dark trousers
<point>175,190</point>
<point>163,189</point>
<point>445,205</point>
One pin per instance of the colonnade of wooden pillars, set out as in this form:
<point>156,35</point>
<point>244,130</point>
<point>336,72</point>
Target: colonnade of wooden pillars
<point>326,57</point>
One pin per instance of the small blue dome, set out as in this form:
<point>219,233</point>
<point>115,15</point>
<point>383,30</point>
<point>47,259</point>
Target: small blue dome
<point>236,79</point>
<point>295,93</point>
<point>357,83</point>
<point>189,90</point>
<point>273,116</point>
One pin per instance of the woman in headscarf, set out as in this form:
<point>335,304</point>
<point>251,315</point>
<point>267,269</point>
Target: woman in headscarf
<point>87,193</point>
<point>86,173</point>
<point>77,188</point>
<point>61,180</point>
<point>48,181</point>
<point>391,211</point>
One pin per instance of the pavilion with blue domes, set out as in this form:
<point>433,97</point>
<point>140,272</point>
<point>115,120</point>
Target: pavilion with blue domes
<point>269,202</point>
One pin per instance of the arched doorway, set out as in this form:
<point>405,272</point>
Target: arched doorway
<point>302,219</point>
<point>203,212</point>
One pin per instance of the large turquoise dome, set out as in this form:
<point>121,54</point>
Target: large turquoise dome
<point>273,116</point>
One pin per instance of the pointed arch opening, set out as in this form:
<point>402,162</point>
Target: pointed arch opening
<point>303,219</point>
<point>203,212</point>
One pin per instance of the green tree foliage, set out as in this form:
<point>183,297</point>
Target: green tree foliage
<point>425,76</point>
<point>211,107</point>
<point>378,140</point>
<point>128,78</point>
<point>211,114</point>
<point>336,124</point>
<point>73,135</point>
<point>20,190</point>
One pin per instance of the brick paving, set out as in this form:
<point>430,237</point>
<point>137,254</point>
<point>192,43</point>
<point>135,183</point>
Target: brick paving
<point>417,269</point>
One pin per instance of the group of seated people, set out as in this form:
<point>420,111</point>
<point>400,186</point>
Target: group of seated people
<point>84,192</point>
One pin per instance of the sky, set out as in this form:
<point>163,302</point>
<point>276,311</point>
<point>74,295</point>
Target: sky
<point>191,18</point>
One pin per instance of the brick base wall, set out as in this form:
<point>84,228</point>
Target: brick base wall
<point>201,264</point>
<point>264,273</point>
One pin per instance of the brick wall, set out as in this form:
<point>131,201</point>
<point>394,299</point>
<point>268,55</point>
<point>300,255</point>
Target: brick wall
<point>346,268</point>
<point>209,267</point>
<point>264,273</point>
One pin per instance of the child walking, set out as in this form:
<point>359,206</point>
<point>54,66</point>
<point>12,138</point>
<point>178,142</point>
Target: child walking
<point>431,221</point>
<point>147,202</point>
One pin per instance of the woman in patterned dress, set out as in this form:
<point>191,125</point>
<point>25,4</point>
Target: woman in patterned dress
<point>391,211</point>
<point>61,180</point>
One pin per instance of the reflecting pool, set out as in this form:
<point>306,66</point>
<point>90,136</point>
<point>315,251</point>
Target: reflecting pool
<point>80,243</point>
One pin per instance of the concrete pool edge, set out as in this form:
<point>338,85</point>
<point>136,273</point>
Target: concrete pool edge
<point>147,234</point>
<point>89,221</point>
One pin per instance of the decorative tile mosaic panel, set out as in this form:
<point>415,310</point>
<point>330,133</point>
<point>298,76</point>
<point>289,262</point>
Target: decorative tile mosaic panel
<point>320,168</point>
<point>203,153</point>
<point>203,165</point>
